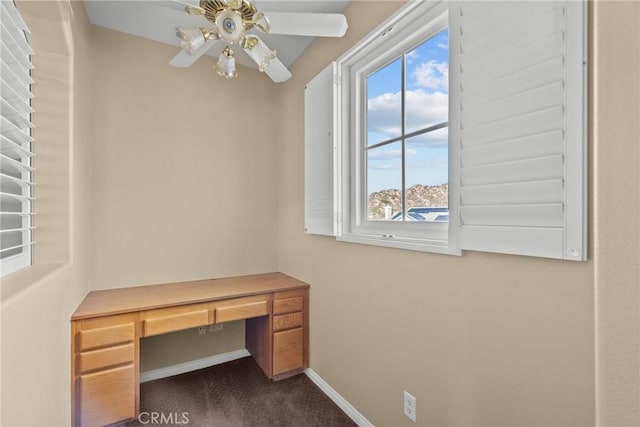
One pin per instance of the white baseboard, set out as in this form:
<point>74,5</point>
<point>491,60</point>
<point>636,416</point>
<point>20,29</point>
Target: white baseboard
<point>192,365</point>
<point>342,403</point>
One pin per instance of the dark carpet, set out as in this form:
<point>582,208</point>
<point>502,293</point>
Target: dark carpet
<point>236,394</point>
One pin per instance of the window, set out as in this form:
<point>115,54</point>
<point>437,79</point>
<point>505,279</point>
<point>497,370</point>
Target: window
<point>15,139</point>
<point>456,126</point>
<point>395,136</point>
<point>406,144</point>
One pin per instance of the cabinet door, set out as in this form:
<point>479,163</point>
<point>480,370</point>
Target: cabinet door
<point>288,351</point>
<point>107,396</point>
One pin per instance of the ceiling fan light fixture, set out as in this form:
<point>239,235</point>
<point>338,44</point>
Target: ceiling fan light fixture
<point>235,22</point>
<point>226,66</point>
<point>192,39</point>
<point>259,52</point>
<point>261,22</point>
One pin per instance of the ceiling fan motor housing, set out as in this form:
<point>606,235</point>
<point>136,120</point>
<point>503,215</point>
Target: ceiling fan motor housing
<point>230,26</point>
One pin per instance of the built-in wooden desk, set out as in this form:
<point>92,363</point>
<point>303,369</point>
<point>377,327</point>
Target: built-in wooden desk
<point>107,327</point>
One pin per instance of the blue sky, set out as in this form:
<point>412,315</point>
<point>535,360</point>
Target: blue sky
<point>426,103</point>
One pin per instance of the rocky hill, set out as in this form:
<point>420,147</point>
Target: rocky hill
<point>418,195</point>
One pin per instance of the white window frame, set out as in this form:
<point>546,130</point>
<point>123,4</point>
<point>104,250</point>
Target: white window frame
<point>18,78</point>
<point>416,23</point>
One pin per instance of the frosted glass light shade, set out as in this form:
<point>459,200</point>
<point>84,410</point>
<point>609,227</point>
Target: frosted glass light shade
<point>226,66</point>
<point>261,53</point>
<point>191,39</point>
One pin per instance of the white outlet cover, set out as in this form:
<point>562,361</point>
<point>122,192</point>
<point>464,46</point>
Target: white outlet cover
<point>410,406</point>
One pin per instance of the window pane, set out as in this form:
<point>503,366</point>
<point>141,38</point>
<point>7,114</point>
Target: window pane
<point>427,83</point>
<point>384,181</point>
<point>384,99</point>
<point>427,176</point>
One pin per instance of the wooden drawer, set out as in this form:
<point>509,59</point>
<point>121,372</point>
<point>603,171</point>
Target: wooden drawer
<point>105,357</point>
<point>107,396</point>
<point>164,320</point>
<point>287,305</point>
<point>106,336</point>
<point>242,308</point>
<point>288,351</point>
<point>287,321</point>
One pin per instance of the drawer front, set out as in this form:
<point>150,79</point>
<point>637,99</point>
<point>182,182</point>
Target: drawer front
<point>174,319</point>
<point>287,351</point>
<point>107,396</point>
<point>109,335</point>
<point>105,357</point>
<point>287,305</point>
<point>241,309</point>
<point>287,321</point>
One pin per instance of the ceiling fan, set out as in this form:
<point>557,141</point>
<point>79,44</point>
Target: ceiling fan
<point>230,22</point>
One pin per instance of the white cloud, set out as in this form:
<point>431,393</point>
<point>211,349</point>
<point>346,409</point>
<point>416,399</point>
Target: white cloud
<point>422,109</point>
<point>434,139</point>
<point>383,153</point>
<point>383,158</point>
<point>412,56</point>
<point>389,153</point>
<point>432,75</point>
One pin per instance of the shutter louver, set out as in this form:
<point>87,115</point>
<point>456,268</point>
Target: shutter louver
<point>320,153</point>
<point>521,109</point>
<point>15,140</point>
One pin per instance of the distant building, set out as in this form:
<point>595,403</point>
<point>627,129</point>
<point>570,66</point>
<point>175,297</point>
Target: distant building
<point>425,213</point>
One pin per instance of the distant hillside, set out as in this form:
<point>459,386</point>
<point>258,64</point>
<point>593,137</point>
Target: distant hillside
<point>418,195</point>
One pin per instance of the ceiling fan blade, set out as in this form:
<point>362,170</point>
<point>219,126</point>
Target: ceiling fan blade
<point>308,24</point>
<point>277,71</point>
<point>185,59</point>
<point>192,7</point>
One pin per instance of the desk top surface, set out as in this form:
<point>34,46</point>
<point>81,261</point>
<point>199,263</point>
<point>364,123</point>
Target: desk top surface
<point>127,300</point>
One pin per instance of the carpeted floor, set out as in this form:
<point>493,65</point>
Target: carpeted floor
<point>237,394</point>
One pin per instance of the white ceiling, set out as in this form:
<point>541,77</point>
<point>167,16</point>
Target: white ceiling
<point>157,20</point>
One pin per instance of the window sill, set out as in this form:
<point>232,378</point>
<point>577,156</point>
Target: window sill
<point>18,281</point>
<point>398,243</point>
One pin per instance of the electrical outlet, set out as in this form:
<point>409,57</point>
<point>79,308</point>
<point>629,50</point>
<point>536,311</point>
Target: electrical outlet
<point>216,327</point>
<point>202,330</point>
<point>410,406</point>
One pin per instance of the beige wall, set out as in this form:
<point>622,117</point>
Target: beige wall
<point>481,339</point>
<point>184,167</point>
<point>616,130</point>
<point>181,190</point>
<point>38,301</point>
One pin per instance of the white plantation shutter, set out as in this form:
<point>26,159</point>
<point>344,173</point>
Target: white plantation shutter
<point>15,140</point>
<point>522,137</point>
<point>320,153</point>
